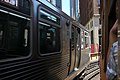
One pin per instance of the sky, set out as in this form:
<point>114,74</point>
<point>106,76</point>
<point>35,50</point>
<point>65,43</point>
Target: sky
<point>66,6</point>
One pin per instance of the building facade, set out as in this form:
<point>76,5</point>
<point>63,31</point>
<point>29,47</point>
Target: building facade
<point>90,18</point>
<point>74,9</point>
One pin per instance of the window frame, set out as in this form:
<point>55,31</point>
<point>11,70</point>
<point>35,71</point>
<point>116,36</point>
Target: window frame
<point>52,24</point>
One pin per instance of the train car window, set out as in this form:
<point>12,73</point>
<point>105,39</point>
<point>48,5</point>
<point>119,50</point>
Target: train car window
<point>24,6</point>
<point>49,32</point>
<point>18,5</point>
<point>78,49</point>
<point>73,46</point>
<point>49,17</point>
<point>49,38</point>
<point>10,2</point>
<point>14,36</point>
<point>1,34</point>
<point>73,39</point>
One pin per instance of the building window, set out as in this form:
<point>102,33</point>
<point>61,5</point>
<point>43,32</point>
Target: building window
<point>99,21</point>
<point>99,31</point>
<point>86,34</point>
<point>99,9</point>
<point>92,37</point>
<point>91,24</point>
<point>88,26</point>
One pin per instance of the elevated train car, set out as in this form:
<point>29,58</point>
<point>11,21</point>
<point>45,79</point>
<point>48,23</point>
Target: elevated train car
<point>39,42</point>
<point>110,12</point>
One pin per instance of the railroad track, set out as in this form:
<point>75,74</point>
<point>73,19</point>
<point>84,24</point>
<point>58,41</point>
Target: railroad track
<point>90,72</point>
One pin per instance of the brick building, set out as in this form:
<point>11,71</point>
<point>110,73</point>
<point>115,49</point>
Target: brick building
<point>90,18</point>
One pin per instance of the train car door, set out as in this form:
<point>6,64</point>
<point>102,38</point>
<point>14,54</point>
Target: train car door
<point>72,50</point>
<point>78,48</point>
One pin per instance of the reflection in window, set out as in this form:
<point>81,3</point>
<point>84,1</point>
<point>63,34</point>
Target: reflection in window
<point>49,38</point>
<point>14,40</point>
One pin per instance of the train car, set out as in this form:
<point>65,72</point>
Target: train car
<point>39,42</point>
<point>110,11</point>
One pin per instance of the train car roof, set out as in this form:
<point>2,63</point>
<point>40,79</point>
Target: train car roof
<point>74,22</point>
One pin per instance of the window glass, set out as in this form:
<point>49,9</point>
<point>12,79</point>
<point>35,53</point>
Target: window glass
<point>73,39</point>
<point>92,37</point>
<point>1,34</point>
<point>88,27</point>
<point>49,0</point>
<point>49,38</point>
<point>10,2</point>
<point>50,17</point>
<point>52,2</point>
<point>14,36</point>
<point>98,2</point>
<point>91,24</point>
<point>78,49</point>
